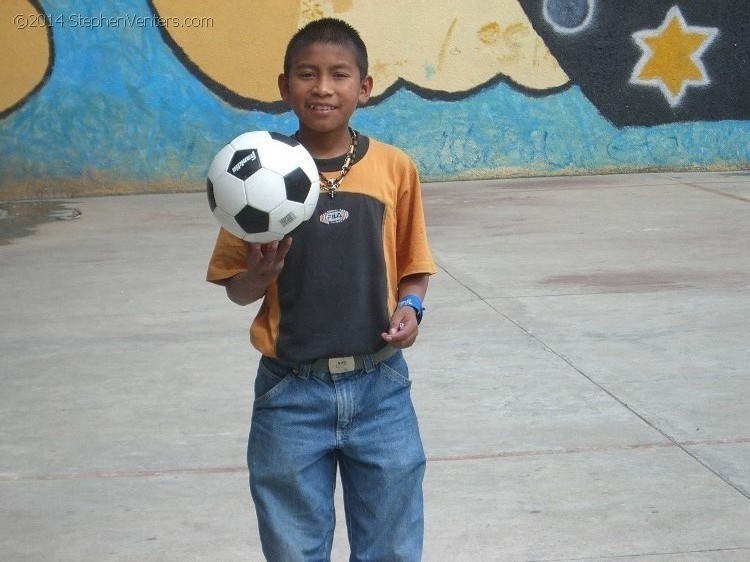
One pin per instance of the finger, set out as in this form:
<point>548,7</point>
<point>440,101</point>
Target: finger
<point>404,332</point>
<point>398,341</point>
<point>283,248</point>
<point>394,338</point>
<point>254,252</point>
<point>269,252</point>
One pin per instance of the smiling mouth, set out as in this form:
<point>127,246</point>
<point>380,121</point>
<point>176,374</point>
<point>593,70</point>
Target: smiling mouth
<point>316,107</point>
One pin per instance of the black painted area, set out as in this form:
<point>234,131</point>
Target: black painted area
<point>601,58</point>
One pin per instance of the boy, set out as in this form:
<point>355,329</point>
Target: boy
<point>340,302</point>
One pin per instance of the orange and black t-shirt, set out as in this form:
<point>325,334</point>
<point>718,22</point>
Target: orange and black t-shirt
<point>339,285</point>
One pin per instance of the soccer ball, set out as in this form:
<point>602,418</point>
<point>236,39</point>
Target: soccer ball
<point>262,185</point>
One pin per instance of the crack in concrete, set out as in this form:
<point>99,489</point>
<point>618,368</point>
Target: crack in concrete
<point>671,439</point>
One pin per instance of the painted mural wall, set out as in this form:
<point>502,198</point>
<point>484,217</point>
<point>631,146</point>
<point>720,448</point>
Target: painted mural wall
<point>138,95</point>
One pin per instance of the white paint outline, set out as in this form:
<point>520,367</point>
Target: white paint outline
<point>569,30</point>
<point>639,37</point>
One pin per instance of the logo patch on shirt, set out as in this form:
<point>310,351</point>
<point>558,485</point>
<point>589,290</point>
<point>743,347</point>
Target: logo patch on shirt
<point>334,216</point>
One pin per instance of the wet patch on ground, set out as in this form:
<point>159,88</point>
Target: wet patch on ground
<point>19,219</point>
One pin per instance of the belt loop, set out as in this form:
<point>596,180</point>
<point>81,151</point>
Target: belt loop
<point>303,371</point>
<point>368,363</point>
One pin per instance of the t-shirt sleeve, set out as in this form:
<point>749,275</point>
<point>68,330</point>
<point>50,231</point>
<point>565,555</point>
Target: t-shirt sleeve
<point>413,254</point>
<point>228,258</point>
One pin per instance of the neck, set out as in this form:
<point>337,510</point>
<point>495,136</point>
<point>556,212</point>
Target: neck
<point>325,145</point>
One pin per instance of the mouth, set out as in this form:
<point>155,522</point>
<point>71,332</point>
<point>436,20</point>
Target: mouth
<point>320,107</point>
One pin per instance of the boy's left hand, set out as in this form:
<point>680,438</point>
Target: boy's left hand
<point>403,329</point>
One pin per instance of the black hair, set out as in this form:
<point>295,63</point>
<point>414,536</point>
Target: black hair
<point>332,31</point>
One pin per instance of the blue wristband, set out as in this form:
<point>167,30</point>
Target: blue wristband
<point>415,302</point>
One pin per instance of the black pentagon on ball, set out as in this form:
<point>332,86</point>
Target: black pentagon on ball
<point>252,220</point>
<point>285,139</point>
<point>297,185</point>
<point>244,163</point>
<point>210,193</point>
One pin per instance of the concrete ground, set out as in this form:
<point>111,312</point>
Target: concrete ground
<point>582,378</point>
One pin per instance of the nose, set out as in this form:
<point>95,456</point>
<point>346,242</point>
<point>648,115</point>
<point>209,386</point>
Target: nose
<point>323,86</point>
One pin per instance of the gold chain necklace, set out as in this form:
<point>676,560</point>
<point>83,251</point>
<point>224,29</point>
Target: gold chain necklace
<point>332,185</point>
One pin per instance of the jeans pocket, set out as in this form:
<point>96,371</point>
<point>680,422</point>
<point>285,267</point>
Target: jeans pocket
<point>270,380</point>
<point>396,369</point>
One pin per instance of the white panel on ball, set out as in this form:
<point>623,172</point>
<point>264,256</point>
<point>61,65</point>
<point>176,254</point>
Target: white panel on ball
<point>278,157</point>
<point>306,162</point>
<point>220,163</point>
<point>263,237</point>
<point>286,217</point>
<point>229,193</point>
<point>228,223</point>
<point>252,139</point>
<point>265,190</point>
<point>312,199</point>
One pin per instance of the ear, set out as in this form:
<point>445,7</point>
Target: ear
<point>284,87</point>
<point>365,90</point>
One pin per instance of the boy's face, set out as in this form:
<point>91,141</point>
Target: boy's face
<point>324,87</point>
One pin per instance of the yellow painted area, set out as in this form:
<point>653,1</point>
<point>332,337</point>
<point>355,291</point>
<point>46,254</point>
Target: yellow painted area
<point>671,60</point>
<point>342,5</point>
<point>435,44</point>
<point>243,48</point>
<point>449,46</point>
<point>25,51</point>
<point>446,42</point>
<point>489,33</point>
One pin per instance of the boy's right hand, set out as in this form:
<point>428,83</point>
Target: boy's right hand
<point>264,263</point>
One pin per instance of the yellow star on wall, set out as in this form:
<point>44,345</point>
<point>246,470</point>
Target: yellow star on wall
<point>671,57</point>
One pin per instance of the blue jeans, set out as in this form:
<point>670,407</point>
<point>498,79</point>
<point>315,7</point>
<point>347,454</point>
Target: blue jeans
<point>304,425</point>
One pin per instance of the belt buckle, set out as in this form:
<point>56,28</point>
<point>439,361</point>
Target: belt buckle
<point>338,365</point>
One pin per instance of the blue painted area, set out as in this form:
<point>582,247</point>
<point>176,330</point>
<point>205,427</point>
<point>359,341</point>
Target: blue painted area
<point>503,130</point>
<point>120,106</point>
<point>119,102</point>
<point>567,14</point>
